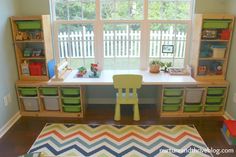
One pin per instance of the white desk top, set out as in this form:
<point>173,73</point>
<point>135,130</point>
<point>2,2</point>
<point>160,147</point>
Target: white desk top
<point>106,78</point>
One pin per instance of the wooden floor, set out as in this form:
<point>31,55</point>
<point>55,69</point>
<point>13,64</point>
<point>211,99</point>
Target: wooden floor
<point>21,136</point>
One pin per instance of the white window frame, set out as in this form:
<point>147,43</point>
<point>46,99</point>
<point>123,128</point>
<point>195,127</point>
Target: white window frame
<point>98,33</point>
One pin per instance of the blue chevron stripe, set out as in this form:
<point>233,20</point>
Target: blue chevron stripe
<point>140,143</point>
<point>76,147</point>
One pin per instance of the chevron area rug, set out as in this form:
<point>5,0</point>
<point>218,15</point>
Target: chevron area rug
<point>79,140</point>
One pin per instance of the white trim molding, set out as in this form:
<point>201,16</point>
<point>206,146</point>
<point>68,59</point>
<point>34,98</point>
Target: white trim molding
<point>9,124</point>
<point>227,116</point>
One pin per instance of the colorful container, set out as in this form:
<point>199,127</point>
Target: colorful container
<point>51,103</point>
<point>192,108</point>
<point>216,24</point>
<point>70,101</point>
<point>70,92</point>
<point>229,131</point>
<point>170,108</point>
<point>30,104</point>
<point>49,91</point>
<point>26,25</point>
<point>213,108</point>
<point>172,100</point>
<point>215,91</point>
<point>28,91</point>
<point>72,108</point>
<point>36,68</point>
<point>173,92</point>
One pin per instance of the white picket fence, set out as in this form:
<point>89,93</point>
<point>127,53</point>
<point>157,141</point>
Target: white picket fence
<point>120,43</point>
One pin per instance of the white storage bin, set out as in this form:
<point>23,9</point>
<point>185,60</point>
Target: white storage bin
<point>218,52</point>
<point>193,95</point>
<point>51,103</point>
<point>30,104</point>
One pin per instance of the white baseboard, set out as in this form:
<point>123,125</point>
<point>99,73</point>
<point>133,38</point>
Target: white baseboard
<point>227,116</point>
<point>9,124</point>
<point>113,101</point>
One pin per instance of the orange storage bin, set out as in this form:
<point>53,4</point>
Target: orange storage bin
<point>36,69</point>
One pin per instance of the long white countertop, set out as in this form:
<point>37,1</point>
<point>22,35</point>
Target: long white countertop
<point>106,78</point>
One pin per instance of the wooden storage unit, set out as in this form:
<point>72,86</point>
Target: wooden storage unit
<point>211,102</point>
<point>212,39</point>
<point>52,101</point>
<point>33,46</point>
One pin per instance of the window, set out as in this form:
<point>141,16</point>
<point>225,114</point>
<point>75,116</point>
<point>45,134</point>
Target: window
<point>122,34</point>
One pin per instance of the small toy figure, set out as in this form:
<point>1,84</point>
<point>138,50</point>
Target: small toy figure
<point>25,36</point>
<point>19,36</point>
<point>219,70</point>
<point>38,35</point>
<point>81,71</point>
<point>202,70</point>
<point>94,69</point>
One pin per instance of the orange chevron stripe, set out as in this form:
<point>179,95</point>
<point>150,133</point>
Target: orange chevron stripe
<point>119,139</point>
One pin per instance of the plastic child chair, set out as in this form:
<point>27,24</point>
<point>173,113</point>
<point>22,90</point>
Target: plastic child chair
<point>127,85</point>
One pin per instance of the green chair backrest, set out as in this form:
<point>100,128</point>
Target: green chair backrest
<point>127,82</point>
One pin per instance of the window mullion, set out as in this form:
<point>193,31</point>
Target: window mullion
<point>145,38</point>
<point>98,37</point>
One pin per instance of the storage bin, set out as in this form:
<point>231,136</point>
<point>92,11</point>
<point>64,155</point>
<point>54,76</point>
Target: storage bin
<point>51,103</point>
<point>212,108</point>
<point>170,108</point>
<point>71,101</point>
<point>172,100</point>
<point>70,91</point>
<point>192,108</point>
<point>173,92</point>
<point>36,69</point>
<point>193,95</point>
<point>30,104</point>
<point>25,25</point>
<point>216,24</point>
<point>49,91</point>
<point>28,91</point>
<point>218,51</point>
<point>225,34</point>
<point>67,108</point>
<point>214,100</point>
<point>215,91</point>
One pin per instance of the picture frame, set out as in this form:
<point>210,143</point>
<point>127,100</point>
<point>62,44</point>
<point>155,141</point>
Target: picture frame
<point>167,48</point>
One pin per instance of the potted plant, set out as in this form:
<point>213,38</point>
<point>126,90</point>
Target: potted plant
<point>154,66</point>
<point>166,66</point>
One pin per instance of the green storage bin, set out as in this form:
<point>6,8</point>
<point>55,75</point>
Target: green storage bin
<point>70,91</point>
<point>214,100</point>
<point>72,108</point>
<point>173,92</point>
<point>192,108</point>
<point>216,24</point>
<point>215,91</point>
<point>212,108</point>
<point>28,91</point>
<point>172,100</point>
<point>26,25</point>
<point>170,108</point>
<point>71,101</point>
<point>49,91</point>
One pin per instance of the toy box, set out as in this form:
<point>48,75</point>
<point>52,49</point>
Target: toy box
<point>229,131</point>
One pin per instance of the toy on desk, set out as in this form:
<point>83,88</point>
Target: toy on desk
<point>60,70</point>
<point>94,71</point>
<point>81,71</point>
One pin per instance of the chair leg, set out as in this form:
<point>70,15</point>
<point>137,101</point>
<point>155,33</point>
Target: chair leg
<point>117,112</point>
<point>136,112</point>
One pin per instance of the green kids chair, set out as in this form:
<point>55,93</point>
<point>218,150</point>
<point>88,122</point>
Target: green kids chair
<point>127,85</point>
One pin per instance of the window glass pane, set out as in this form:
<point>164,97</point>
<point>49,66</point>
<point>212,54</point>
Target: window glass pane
<point>76,42</point>
<point>169,9</point>
<point>122,9</point>
<point>75,9</point>
<point>121,46</point>
<point>172,36</point>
